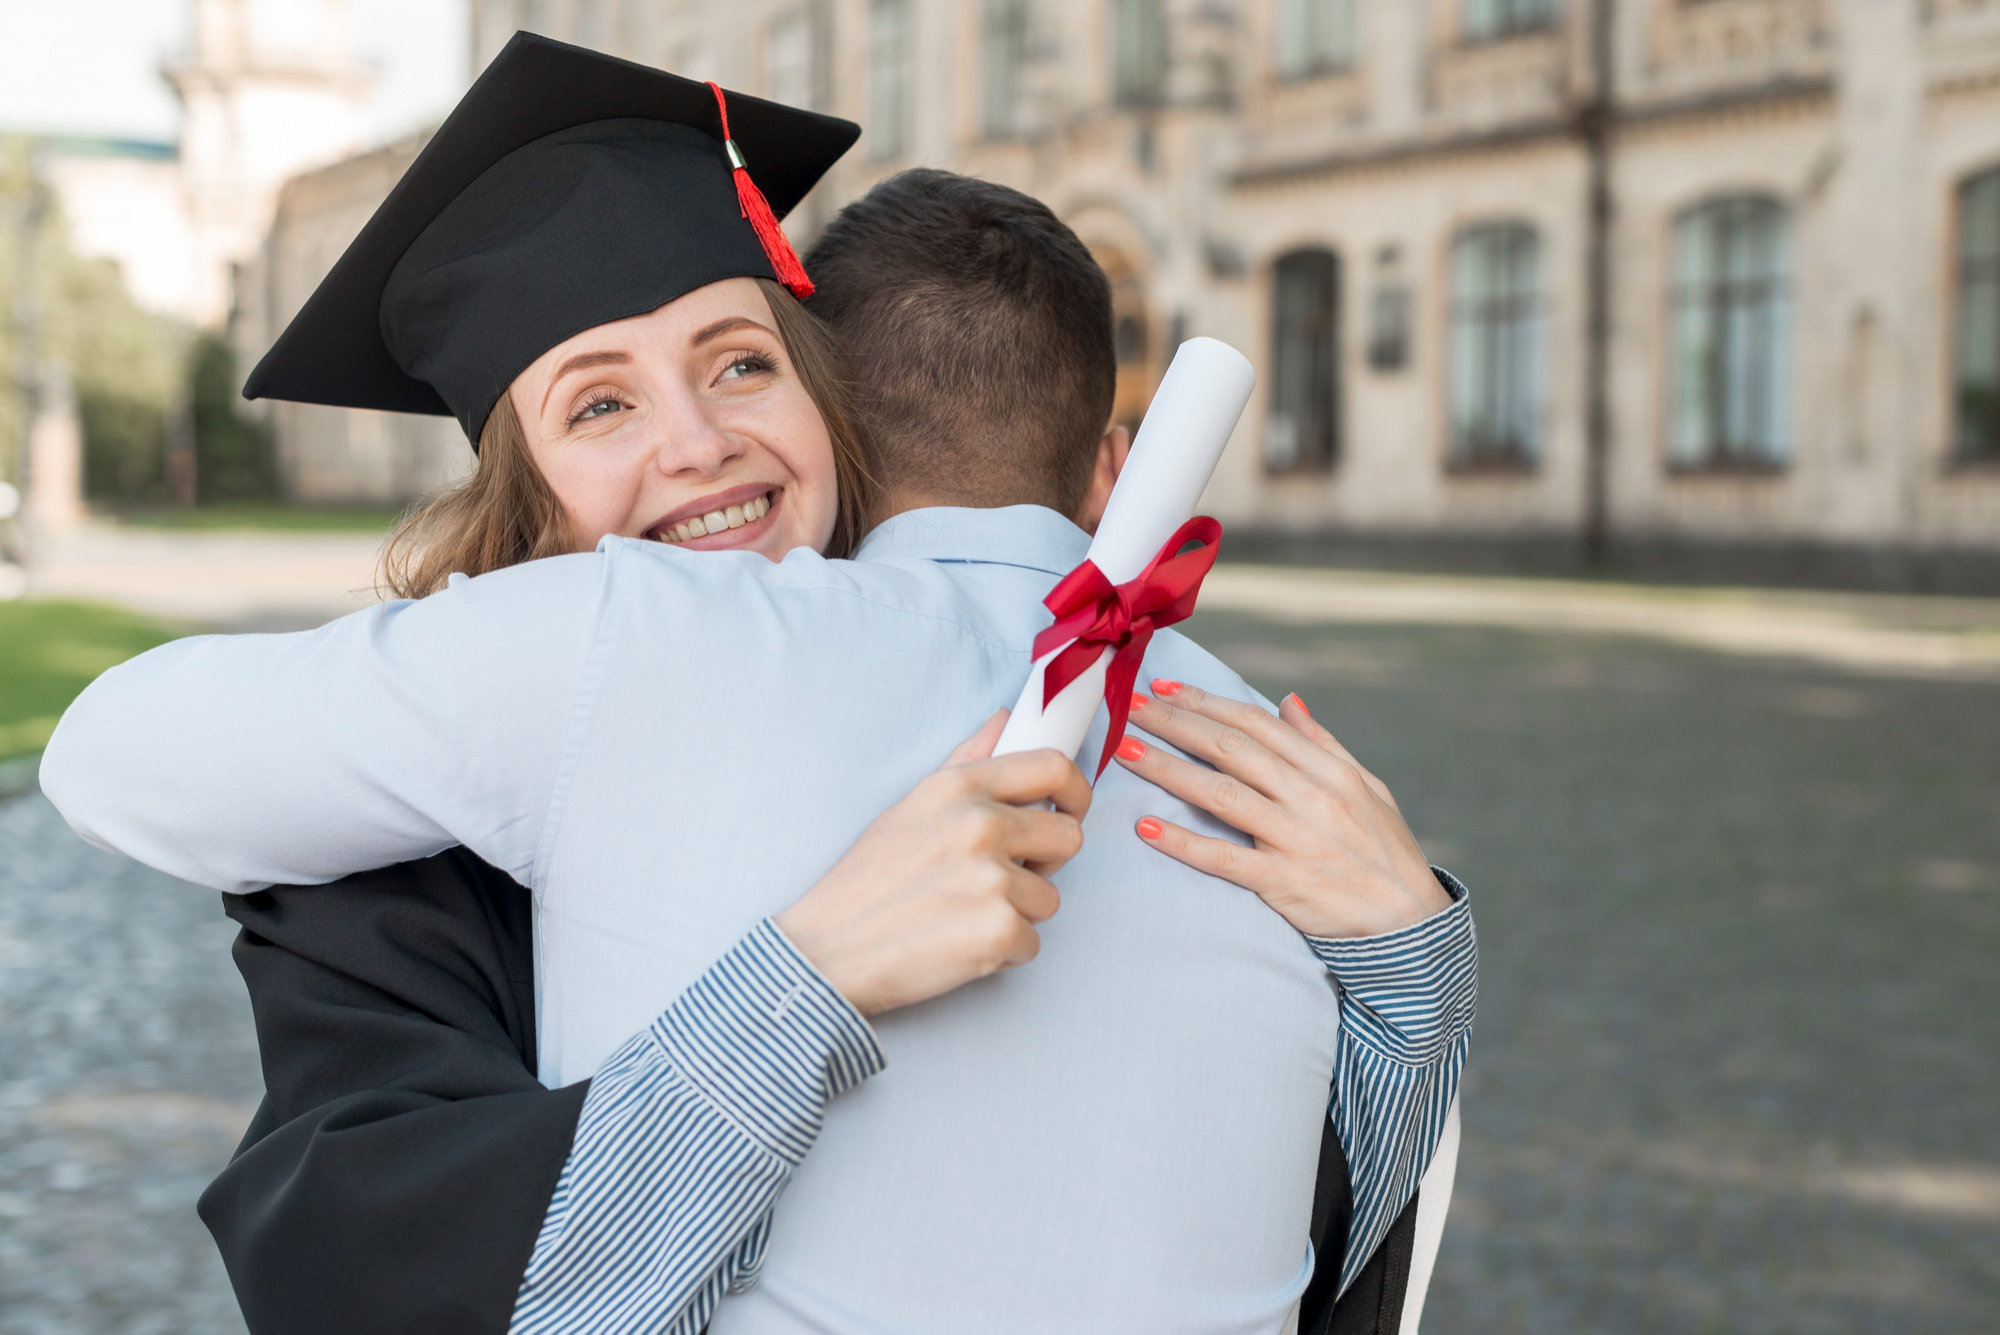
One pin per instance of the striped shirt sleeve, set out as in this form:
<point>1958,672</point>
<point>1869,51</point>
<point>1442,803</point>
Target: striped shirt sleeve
<point>689,1133</point>
<point>1406,1005</point>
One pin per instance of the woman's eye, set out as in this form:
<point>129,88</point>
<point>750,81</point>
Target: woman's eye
<point>596,409</point>
<point>743,366</point>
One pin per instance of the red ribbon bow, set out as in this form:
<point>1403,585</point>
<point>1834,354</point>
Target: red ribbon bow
<point>1093,614</point>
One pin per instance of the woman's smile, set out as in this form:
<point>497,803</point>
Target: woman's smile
<point>737,517</point>
<point>690,425</point>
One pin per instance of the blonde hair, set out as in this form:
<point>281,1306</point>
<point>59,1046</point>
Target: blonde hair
<point>504,512</point>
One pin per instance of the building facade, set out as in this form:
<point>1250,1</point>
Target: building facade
<point>336,455</point>
<point>1645,271</point>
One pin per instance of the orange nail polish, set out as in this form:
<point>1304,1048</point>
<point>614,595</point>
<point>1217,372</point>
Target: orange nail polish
<point>1139,701</point>
<point>1150,828</point>
<point>1162,686</point>
<point>1301,704</point>
<point>1131,748</point>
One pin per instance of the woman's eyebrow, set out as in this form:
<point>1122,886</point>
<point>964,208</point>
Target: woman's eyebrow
<point>583,361</point>
<point>728,324</point>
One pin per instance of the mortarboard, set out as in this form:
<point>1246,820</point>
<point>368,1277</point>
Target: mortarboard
<point>566,190</point>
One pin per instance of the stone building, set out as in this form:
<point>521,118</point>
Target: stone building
<point>267,88</point>
<point>1712,275</point>
<point>336,455</point>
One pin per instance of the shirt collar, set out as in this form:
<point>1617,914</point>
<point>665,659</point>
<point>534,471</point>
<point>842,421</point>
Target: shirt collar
<point>1031,536</point>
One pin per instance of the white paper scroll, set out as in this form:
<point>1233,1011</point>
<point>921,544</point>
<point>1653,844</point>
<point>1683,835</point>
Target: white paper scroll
<point>1182,437</point>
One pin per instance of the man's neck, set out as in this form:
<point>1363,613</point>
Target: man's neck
<point>894,502</point>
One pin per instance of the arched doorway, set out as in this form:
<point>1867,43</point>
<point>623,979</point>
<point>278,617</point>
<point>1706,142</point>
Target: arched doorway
<point>1133,338</point>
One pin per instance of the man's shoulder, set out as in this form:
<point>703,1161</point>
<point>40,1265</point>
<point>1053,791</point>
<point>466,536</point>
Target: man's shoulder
<point>1180,658</point>
<point>807,590</point>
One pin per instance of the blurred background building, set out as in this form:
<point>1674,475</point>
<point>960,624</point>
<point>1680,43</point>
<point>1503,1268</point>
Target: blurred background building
<point>1711,279</point>
<point>125,264</point>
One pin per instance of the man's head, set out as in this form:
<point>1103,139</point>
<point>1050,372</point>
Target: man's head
<point>980,327</point>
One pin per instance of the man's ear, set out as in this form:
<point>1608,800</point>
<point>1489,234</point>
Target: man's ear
<point>1112,448</point>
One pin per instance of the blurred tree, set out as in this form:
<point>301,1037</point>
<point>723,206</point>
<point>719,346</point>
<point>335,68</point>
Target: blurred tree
<point>234,458</point>
<point>128,365</point>
<point>136,372</point>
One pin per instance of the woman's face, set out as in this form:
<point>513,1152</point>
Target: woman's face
<point>686,426</point>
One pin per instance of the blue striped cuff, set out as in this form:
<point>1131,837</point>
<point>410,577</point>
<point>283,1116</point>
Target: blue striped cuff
<point>768,1041</point>
<point>1415,990</point>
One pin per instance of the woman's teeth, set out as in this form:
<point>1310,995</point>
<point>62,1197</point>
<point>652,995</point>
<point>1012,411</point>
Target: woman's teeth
<point>715,521</point>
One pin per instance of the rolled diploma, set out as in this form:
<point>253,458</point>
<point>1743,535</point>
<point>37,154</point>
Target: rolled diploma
<point>1179,443</point>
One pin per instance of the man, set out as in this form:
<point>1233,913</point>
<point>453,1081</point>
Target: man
<point>310,1143</point>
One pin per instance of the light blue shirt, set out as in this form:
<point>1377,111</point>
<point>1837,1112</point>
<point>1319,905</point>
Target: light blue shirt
<point>667,747</point>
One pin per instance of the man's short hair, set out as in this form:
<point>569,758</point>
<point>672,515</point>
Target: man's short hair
<point>980,328</point>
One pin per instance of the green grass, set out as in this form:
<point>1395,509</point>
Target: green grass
<point>50,651</point>
<point>268,515</point>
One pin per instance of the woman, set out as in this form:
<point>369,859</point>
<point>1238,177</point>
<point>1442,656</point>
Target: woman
<point>474,301</point>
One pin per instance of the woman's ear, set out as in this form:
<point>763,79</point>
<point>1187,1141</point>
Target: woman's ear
<point>1112,448</point>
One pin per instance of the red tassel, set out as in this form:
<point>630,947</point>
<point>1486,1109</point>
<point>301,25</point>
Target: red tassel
<point>777,246</point>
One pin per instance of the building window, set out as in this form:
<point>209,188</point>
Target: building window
<point>889,78</point>
<point>1979,318</point>
<point>1301,433</point>
<point>1490,20</point>
<point>1138,52</point>
<point>788,64</point>
<point>1313,37</point>
<point>1003,51</point>
<point>1495,346</point>
<point>1732,330</point>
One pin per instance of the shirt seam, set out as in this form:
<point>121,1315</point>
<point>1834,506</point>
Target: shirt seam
<point>583,710</point>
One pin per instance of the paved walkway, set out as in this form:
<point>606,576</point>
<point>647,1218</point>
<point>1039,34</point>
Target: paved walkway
<point>127,1073</point>
<point>230,578</point>
<point>1738,880</point>
<point>1882,634</point>
<point>1738,1052</point>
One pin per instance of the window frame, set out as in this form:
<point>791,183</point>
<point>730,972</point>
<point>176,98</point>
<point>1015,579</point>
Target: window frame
<point>1964,453</point>
<point>1318,450</point>
<point>1731,302</point>
<point>889,127</point>
<point>1507,19</point>
<point>1322,63</point>
<point>1003,44</point>
<point>1141,81</point>
<point>1508,330</point>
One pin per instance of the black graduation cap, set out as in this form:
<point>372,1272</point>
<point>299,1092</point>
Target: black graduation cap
<point>567,189</point>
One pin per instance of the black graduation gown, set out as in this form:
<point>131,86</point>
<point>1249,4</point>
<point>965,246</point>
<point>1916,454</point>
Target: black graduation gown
<point>396,1175</point>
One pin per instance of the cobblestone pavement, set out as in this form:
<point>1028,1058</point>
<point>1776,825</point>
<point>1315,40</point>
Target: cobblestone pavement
<point>1738,1056</point>
<point>127,1072</point>
<point>1737,1065</point>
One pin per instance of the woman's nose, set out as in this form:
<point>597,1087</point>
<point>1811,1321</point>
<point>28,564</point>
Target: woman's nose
<point>695,444</point>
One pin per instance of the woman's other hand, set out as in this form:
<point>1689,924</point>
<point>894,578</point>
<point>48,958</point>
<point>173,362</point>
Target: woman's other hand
<point>1331,854</point>
<point>949,884</point>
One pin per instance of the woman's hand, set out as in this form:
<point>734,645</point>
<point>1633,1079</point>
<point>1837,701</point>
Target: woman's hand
<point>1332,854</point>
<point>947,885</point>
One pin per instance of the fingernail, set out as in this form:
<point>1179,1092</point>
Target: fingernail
<point>1138,701</point>
<point>1161,686</point>
<point>1150,828</point>
<point>1131,748</point>
<point>1301,704</point>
